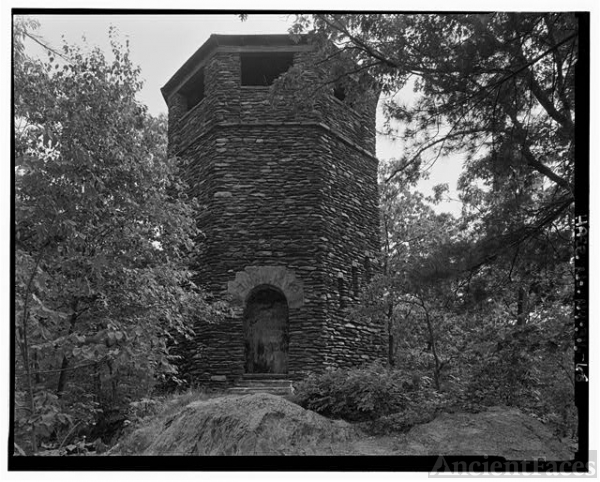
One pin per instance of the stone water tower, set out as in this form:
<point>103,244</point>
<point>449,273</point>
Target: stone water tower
<point>289,211</point>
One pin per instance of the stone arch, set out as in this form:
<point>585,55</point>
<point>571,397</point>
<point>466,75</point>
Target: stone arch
<point>278,277</point>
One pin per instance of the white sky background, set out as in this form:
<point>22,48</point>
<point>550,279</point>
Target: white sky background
<point>160,44</point>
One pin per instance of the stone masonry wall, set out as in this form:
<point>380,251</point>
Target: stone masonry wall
<point>282,192</point>
<point>353,227</point>
<point>227,101</point>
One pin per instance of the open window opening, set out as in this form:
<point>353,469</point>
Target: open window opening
<point>368,272</point>
<point>339,92</point>
<point>193,90</point>
<point>261,69</point>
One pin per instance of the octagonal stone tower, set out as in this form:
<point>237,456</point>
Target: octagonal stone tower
<point>288,211</point>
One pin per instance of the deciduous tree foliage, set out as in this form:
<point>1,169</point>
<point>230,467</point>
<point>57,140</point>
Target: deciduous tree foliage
<point>103,233</point>
<point>478,306</point>
<point>497,87</point>
<point>502,334</point>
<point>416,254</point>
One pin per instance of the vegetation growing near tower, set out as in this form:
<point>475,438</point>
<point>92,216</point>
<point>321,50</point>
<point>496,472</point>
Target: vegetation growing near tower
<point>481,304</point>
<point>103,232</point>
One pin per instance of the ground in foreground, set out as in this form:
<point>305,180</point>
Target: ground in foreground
<point>265,424</point>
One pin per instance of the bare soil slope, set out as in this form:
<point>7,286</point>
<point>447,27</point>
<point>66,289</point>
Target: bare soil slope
<point>502,431</point>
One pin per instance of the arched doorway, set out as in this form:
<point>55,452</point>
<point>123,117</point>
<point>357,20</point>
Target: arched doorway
<point>266,331</point>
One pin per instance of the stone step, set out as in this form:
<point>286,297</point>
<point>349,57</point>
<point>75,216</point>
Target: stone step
<point>275,383</point>
<point>278,390</point>
<point>245,382</point>
<point>264,376</point>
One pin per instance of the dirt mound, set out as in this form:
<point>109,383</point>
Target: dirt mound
<point>259,424</point>
<point>264,424</point>
<point>506,432</point>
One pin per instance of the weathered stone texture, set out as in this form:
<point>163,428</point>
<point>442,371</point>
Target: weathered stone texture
<point>277,276</point>
<point>288,200</point>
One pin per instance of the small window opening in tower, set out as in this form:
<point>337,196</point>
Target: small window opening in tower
<point>355,286</point>
<point>368,269</point>
<point>193,90</point>
<point>261,69</point>
<point>339,92</point>
<point>342,292</point>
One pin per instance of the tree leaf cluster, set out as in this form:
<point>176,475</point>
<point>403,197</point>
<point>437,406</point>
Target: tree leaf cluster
<point>474,304</point>
<point>497,89</point>
<point>105,235</point>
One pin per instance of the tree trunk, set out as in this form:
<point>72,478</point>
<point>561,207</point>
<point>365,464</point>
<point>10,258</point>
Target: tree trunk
<point>390,327</point>
<point>24,348</point>
<point>437,368</point>
<point>97,383</point>
<point>25,354</point>
<point>36,368</point>
<point>113,380</point>
<point>521,307</point>
<point>62,379</point>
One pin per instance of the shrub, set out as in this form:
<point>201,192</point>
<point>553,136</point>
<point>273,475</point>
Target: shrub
<point>356,394</point>
<point>528,369</point>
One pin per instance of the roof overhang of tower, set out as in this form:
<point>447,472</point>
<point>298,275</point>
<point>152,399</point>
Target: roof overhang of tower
<point>231,43</point>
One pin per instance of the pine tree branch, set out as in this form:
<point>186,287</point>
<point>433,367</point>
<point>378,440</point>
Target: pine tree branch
<point>430,145</point>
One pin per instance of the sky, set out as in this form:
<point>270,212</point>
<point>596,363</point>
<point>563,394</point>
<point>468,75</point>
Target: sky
<point>160,44</point>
